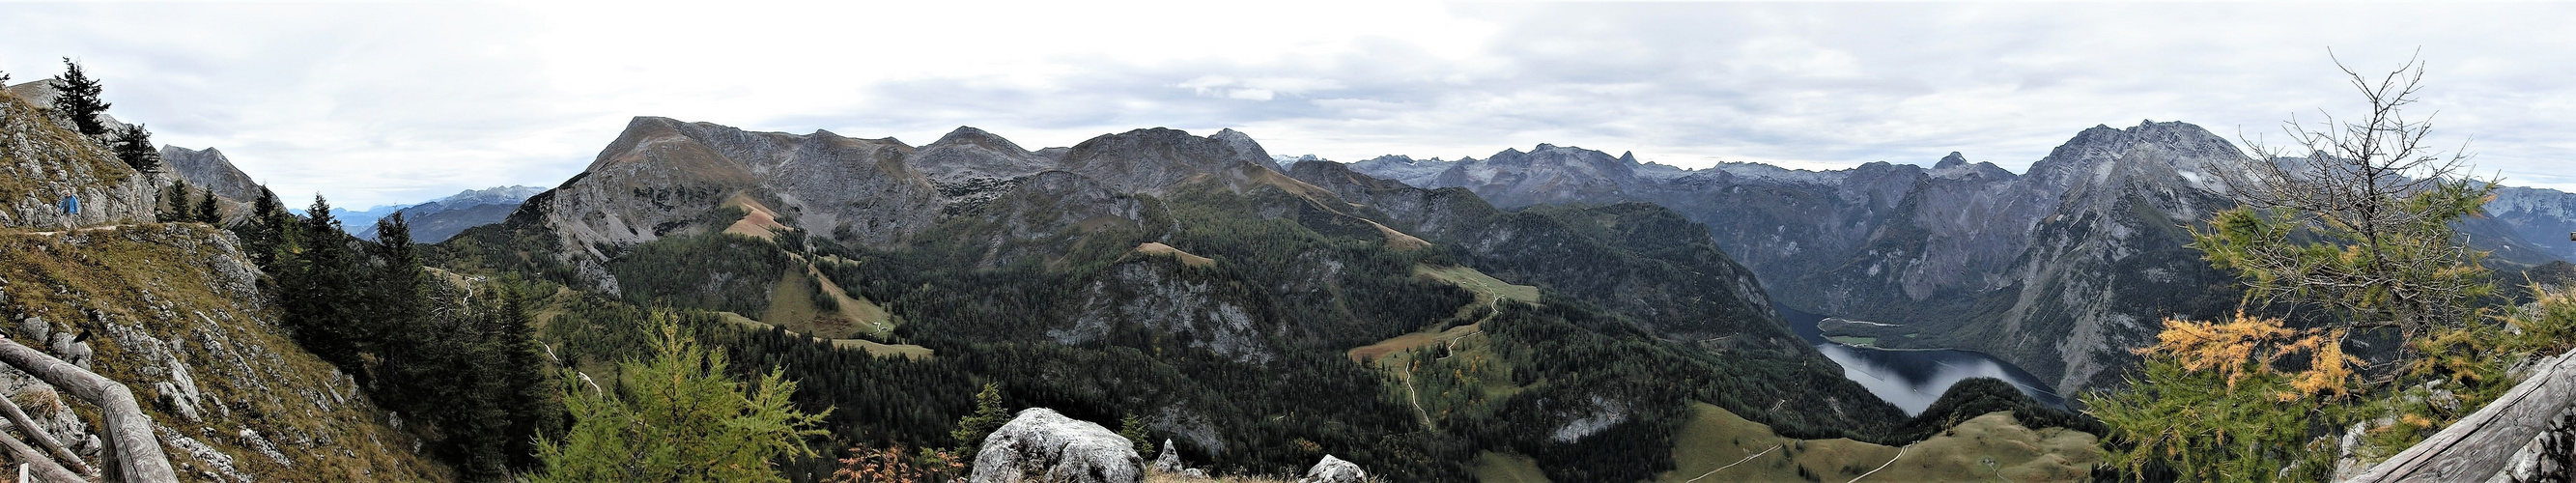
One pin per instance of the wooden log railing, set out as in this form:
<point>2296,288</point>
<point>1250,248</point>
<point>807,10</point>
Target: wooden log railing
<point>133,453</point>
<point>2480,446</point>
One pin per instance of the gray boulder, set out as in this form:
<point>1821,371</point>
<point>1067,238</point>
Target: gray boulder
<point>1334,470</point>
<point>1170,460</point>
<point>1042,446</point>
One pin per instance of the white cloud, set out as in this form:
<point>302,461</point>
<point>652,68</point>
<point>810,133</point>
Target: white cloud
<point>380,103</point>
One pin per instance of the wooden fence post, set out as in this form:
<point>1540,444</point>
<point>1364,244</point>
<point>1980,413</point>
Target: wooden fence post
<point>134,454</point>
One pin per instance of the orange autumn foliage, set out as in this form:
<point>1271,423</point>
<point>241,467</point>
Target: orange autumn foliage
<point>2243,345</point>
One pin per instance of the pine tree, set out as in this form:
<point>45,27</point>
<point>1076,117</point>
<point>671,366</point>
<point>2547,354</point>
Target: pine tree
<point>79,99</point>
<point>133,145</point>
<point>206,211</point>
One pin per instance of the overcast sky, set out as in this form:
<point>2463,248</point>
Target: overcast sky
<point>379,103</point>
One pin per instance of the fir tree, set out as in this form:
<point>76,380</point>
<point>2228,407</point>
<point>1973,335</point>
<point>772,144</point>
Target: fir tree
<point>79,99</point>
<point>133,145</point>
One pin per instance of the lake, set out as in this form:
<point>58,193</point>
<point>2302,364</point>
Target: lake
<point>1913,379</point>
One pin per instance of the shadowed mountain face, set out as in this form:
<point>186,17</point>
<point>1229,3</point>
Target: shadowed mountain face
<point>2059,270</point>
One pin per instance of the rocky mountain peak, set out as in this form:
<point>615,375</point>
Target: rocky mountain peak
<point>969,135</point>
<point>1149,160</point>
<point>210,169</point>
<point>2178,145</point>
<point>967,155</point>
<point>1951,161</point>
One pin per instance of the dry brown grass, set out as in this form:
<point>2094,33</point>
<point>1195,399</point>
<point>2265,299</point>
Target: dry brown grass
<point>1152,476</point>
<point>1153,248</point>
<point>38,400</point>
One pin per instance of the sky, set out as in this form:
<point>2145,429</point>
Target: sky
<point>399,102</point>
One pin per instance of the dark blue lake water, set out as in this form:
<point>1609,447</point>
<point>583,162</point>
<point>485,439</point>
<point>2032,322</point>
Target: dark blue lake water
<point>1912,379</point>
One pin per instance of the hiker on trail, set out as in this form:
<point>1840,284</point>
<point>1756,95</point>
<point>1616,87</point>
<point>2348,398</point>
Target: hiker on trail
<point>71,208</point>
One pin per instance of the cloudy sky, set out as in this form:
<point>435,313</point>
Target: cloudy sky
<point>376,103</point>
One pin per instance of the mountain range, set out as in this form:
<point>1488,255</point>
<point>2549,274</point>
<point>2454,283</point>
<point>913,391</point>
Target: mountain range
<point>1565,337</point>
<point>435,220</point>
<point>2061,269</point>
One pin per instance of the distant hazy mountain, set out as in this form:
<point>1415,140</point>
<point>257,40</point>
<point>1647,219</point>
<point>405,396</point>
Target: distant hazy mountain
<point>436,220</point>
<point>2061,270</point>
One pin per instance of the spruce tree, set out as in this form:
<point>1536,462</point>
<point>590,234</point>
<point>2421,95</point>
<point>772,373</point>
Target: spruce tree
<point>78,99</point>
<point>262,233</point>
<point>133,145</point>
<point>401,285</point>
<point>989,415</point>
<point>173,207</point>
<point>529,402</point>
<point>318,296</point>
<point>206,207</point>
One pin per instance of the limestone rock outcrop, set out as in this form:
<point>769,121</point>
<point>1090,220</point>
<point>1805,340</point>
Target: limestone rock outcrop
<point>1042,446</point>
<point>1334,470</point>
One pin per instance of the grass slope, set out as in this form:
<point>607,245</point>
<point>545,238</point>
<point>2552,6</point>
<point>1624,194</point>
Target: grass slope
<point>1718,446</point>
<point>162,298</point>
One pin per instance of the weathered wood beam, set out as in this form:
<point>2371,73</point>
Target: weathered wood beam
<point>2480,445</point>
<point>134,453</point>
<point>28,425</point>
<point>45,468</point>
